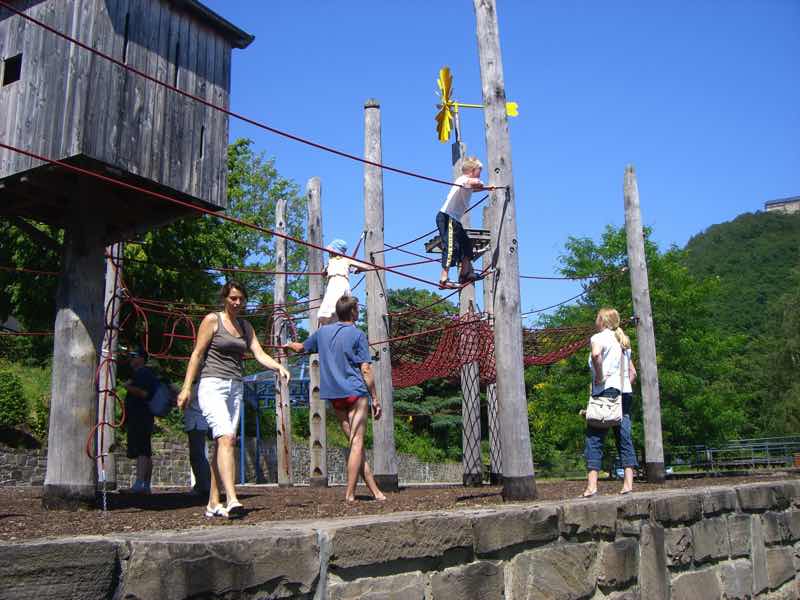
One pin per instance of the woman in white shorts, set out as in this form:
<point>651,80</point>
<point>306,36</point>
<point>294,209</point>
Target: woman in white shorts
<point>217,359</point>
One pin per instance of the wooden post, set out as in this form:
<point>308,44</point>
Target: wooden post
<point>107,372</point>
<point>471,462</point>
<point>492,414</point>
<point>648,371</point>
<point>519,482</point>
<point>318,476</point>
<point>283,417</point>
<point>71,479</point>
<point>384,456</point>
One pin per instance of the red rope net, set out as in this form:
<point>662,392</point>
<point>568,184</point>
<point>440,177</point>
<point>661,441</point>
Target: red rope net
<point>428,345</point>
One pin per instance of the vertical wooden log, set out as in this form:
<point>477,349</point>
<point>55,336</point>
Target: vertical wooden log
<point>71,478</point>
<point>471,463</point>
<point>492,413</point>
<point>519,482</point>
<point>318,475</point>
<point>107,372</point>
<point>283,417</point>
<point>384,456</point>
<point>648,371</point>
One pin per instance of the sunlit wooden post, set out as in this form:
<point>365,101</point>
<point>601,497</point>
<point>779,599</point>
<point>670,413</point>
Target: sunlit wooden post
<point>385,458</point>
<point>318,476</point>
<point>648,369</point>
<point>519,482</point>
<point>107,372</point>
<point>492,414</point>
<point>283,416</point>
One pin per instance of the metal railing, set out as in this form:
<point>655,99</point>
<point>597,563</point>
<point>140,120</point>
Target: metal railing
<point>744,453</point>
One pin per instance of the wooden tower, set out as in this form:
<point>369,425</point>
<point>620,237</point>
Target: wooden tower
<point>66,103</point>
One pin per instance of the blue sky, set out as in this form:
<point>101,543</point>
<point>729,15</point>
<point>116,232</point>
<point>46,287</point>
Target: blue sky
<point>702,96</point>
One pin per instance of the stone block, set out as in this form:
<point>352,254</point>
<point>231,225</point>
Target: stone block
<point>758,556</point>
<point>618,564</point>
<point>718,501</point>
<point>495,530</point>
<point>759,497</point>
<point>776,527</point>
<point>677,509</point>
<point>481,580</point>
<point>739,534</point>
<point>556,572</point>
<point>711,542</point>
<point>696,585</point>
<point>376,540</point>
<point>78,568</point>
<point>406,586</point>
<point>590,519</point>
<point>222,562</point>
<point>635,508</point>
<point>626,595</point>
<point>780,566</point>
<point>736,578</point>
<point>679,546</point>
<point>653,577</point>
<point>793,520</point>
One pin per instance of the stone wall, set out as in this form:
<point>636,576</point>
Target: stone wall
<point>712,543</point>
<point>171,465</point>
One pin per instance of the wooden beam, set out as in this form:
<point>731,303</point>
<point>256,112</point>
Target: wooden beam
<point>385,458</point>
<point>36,234</point>
<point>318,443</point>
<point>518,478</point>
<point>648,371</point>
<point>283,407</point>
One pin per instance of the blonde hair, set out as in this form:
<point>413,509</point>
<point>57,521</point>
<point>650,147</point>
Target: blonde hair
<point>469,163</point>
<point>608,318</point>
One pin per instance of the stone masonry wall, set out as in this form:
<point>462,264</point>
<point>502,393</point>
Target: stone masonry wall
<point>171,465</point>
<point>699,544</point>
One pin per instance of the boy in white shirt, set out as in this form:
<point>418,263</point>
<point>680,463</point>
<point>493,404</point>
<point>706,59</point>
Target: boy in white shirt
<point>456,246</point>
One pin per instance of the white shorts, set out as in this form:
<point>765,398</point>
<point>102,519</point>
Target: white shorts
<point>220,401</point>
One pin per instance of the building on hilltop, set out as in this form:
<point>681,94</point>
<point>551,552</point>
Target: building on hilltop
<point>786,205</point>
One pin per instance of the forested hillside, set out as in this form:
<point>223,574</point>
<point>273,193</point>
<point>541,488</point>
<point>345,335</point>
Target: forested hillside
<point>753,256</point>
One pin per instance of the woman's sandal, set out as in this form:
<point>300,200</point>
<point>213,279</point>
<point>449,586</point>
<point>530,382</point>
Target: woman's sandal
<point>588,494</point>
<point>446,284</point>
<point>234,510</point>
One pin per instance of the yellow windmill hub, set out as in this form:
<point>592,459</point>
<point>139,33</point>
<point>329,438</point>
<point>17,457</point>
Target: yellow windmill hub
<point>448,106</point>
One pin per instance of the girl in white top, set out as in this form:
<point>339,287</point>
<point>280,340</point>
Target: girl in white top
<point>610,353</point>
<point>337,272</point>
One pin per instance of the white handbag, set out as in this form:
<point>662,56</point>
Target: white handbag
<point>603,412</point>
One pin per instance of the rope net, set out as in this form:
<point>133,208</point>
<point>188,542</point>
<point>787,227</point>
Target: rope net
<point>427,345</point>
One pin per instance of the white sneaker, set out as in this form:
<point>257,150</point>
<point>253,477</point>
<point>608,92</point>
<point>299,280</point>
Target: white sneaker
<point>216,511</point>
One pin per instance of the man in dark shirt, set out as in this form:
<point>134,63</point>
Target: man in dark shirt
<point>139,419</point>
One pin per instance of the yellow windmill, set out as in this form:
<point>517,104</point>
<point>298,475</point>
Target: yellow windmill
<point>449,107</point>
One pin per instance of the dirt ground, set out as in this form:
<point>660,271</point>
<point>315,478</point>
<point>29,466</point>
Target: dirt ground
<point>22,517</point>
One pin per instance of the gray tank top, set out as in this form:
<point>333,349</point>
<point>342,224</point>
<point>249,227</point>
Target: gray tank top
<point>224,357</point>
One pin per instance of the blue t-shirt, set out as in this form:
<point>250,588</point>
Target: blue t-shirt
<point>342,350</point>
<point>136,407</point>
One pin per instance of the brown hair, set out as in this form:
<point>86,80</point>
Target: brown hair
<point>608,318</point>
<point>345,307</point>
<point>232,285</point>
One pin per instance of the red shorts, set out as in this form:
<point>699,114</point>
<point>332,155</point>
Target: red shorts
<point>344,403</point>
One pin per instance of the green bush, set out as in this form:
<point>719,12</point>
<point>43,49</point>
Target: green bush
<point>13,408</point>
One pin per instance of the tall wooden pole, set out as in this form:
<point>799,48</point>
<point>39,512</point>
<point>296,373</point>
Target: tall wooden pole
<point>492,413</point>
<point>519,482</point>
<point>318,476</point>
<point>71,478</point>
<point>385,458</point>
<point>648,372</point>
<point>283,417</point>
<point>470,375</point>
<point>107,372</point>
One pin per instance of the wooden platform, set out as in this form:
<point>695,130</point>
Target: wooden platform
<point>478,237</point>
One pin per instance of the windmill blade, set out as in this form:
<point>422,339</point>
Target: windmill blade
<point>445,83</point>
<point>512,109</point>
<point>444,122</point>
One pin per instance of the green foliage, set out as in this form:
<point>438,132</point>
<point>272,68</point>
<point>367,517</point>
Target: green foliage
<point>13,408</point>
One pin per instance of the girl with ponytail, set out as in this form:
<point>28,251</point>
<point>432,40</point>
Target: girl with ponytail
<point>611,362</point>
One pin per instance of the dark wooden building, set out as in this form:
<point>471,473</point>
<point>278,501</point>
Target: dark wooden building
<point>63,102</point>
<point>66,103</point>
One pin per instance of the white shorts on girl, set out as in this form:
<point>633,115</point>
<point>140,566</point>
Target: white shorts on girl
<point>220,401</point>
